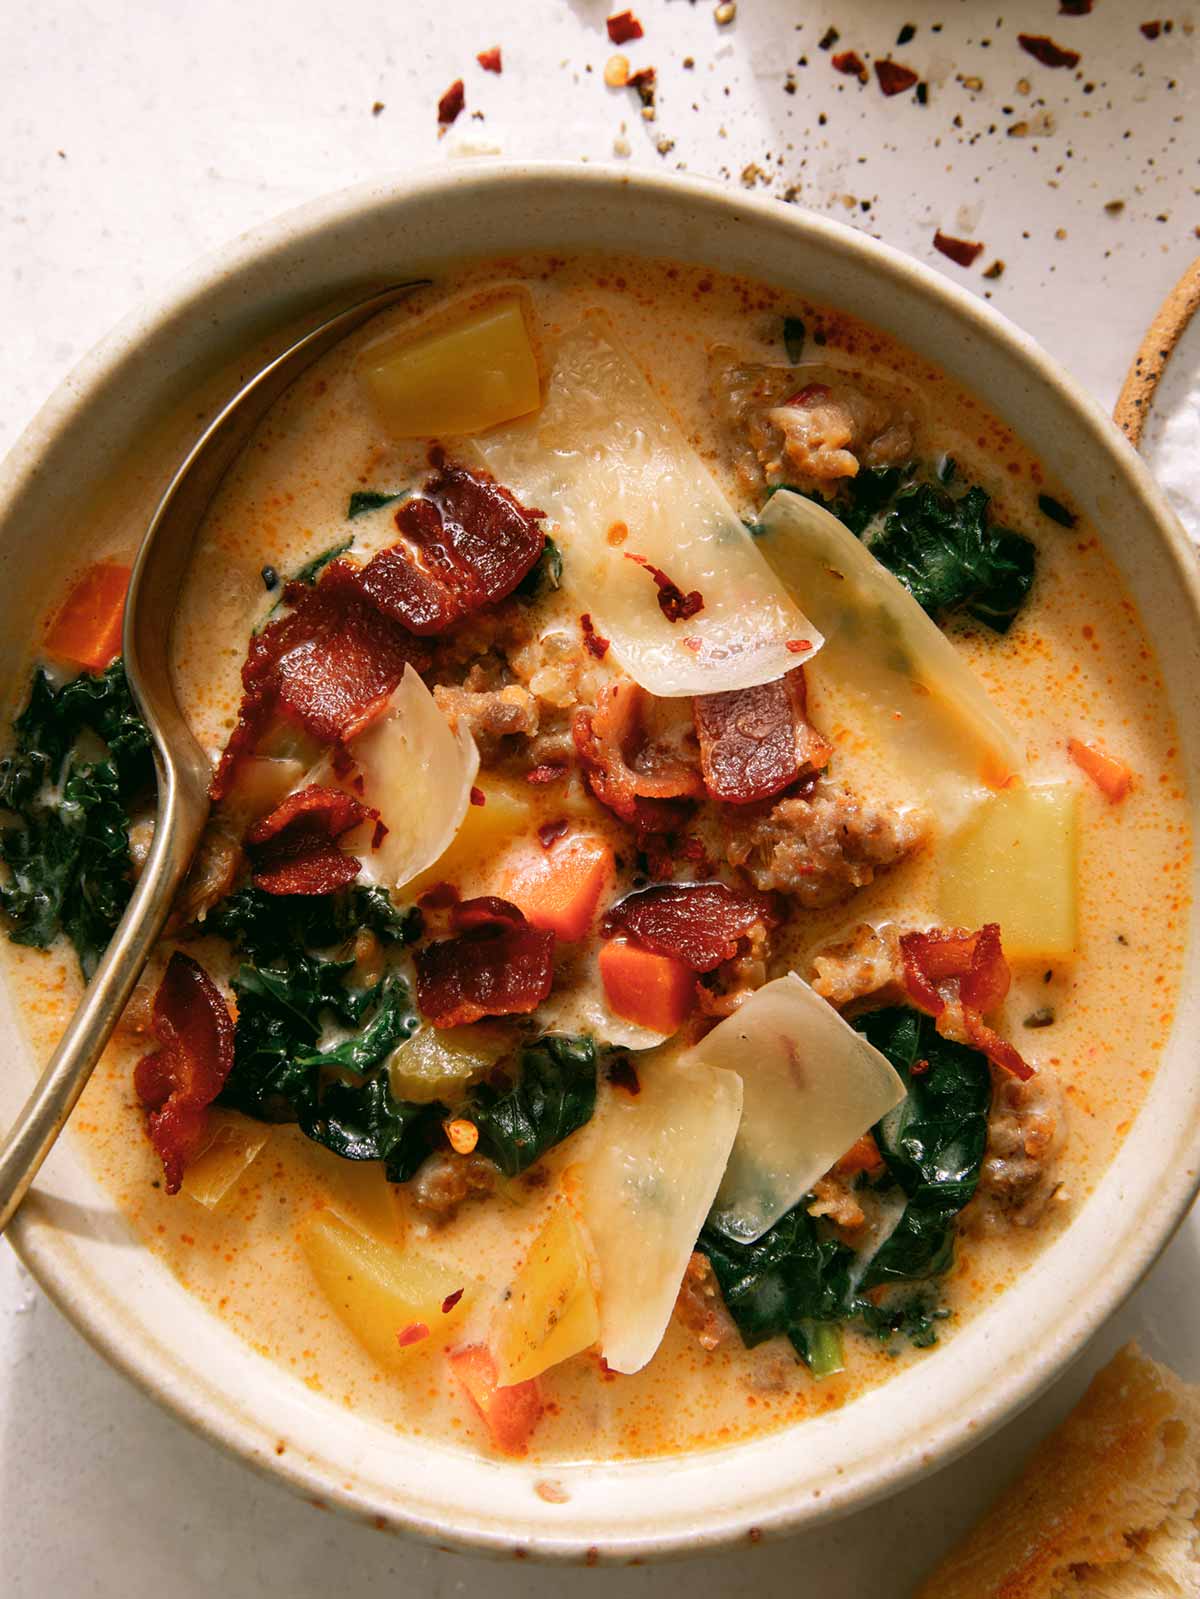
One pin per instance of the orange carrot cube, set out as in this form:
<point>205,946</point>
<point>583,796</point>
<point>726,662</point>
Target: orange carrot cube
<point>87,629</point>
<point>559,888</point>
<point>655,991</point>
<point>510,1414</point>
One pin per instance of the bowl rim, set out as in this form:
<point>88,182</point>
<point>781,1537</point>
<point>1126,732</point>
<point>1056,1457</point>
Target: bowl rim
<point>49,1256</point>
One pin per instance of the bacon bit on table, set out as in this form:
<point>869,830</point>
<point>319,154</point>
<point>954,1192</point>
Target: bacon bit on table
<point>958,977</point>
<point>451,104</point>
<point>756,741</point>
<point>674,604</point>
<point>1074,8</point>
<point>1045,50</point>
<point>496,965</point>
<point>416,1332</point>
<point>851,63</point>
<point>1112,777</point>
<point>294,849</point>
<point>700,924</point>
<point>963,252</point>
<point>623,26</point>
<point>594,643</point>
<point>893,78</point>
<point>178,1082</point>
<point>639,781</point>
<point>1150,30</point>
<point>490,60</point>
<point>469,542</point>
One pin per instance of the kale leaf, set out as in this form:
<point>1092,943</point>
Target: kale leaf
<point>544,576</point>
<point>912,1316</point>
<point>554,1094</point>
<point>68,851</point>
<point>311,570</point>
<point>393,1021</point>
<point>263,926</point>
<point>364,500</point>
<point>933,1142</point>
<point>950,557</point>
<point>362,1121</point>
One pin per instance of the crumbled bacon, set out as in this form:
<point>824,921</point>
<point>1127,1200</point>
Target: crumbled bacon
<point>294,849</point>
<point>1150,30</point>
<point>674,604</point>
<point>958,977</point>
<point>700,924</point>
<point>329,665</point>
<point>963,252</point>
<point>851,63</point>
<point>893,78</point>
<point>496,965</point>
<point>451,104</point>
<point>469,542</point>
<point>1045,50</point>
<point>640,779</point>
<point>754,742</point>
<point>623,26</point>
<point>181,1079</point>
<point>490,60</point>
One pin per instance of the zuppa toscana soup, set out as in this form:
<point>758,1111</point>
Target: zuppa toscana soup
<point>695,887</point>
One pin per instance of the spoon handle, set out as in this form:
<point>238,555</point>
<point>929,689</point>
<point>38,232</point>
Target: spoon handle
<point>182,812</point>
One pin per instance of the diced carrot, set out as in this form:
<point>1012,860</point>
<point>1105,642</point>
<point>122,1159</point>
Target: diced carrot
<point>510,1414</point>
<point>1112,777</point>
<point>559,888</point>
<point>655,991</point>
<point>87,628</point>
<point>861,1156</point>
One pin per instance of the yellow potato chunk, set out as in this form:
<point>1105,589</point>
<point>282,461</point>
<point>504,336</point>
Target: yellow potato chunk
<point>236,1142</point>
<point>390,1299</point>
<point>357,1191</point>
<point>438,1063</point>
<point>551,1311</point>
<point>461,377</point>
<point>505,814</point>
<point>1016,862</point>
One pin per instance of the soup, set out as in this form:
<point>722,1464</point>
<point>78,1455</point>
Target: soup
<point>696,884</point>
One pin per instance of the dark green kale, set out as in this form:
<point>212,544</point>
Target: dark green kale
<point>911,1316</point>
<point>933,1142</point>
<point>81,754</point>
<point>863,498</point>
<point>262,926</point>
<point>311,570</point>
<point>362,1121</point>
<point>552,1092</point>
<point>364,500</point>
<point>794,333</point>
<point>545,576</point>
<point>950,557</point>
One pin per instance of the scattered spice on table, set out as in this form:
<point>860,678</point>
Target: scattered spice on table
<point>963,252</point>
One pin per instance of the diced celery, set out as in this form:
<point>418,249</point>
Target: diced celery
<point>438,1063</point>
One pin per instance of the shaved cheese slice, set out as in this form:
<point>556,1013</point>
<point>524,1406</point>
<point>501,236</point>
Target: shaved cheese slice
<point>643,1194</point>
<point>812,1087</point>
<point>417,772</point>
<point>605,460</point>
<point>886,666</point>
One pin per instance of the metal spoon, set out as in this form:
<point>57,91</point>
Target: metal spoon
<point>182,769</point>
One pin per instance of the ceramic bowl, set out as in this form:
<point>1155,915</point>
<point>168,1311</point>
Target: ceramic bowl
<point>98,455</point>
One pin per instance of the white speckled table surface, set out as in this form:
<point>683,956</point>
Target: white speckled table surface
<point>137,134</point>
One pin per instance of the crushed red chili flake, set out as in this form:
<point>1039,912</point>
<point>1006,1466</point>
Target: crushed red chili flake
<point>550,772</point>
<point>851,63</point>
<point>414,1333</point>
<point>622,1073</point>
<point>798,646</point>
<point>478,797</point>
<point>1151,30</point>
<point>594,643</point>
<point>963,252</point>
<point>893,78</point>
<point>1074,8</point>
<point>674,604</point>
<point>623,26</point>
<point>490,60</point>
<point>550,832</point>
<point>451,104</point>
<point>919,1067</point>
<point>450,1301</point>
<point>1044,49</point>
<point>380,832</point>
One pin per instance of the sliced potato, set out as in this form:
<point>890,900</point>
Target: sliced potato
<point>460,377</point>
<point>550,1313</point>
<point>1016,862</point>
<point>395,1303</point>
<point>236,1142</point>
<point>358,1192</point>
<point>438,1063</point>
<point>506,813</point>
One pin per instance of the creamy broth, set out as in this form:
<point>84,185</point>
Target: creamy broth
<point>1076,664</point>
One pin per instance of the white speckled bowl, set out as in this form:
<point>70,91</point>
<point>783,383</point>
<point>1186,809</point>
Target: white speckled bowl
<point>146,386</point>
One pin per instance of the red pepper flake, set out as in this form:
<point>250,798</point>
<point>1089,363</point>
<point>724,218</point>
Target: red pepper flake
<point>1151,30</point>
<point>623,26</point>
<point>1074,8</point>
<point>693,643</point>
<point>851,63</point>
<point>1045,50</point>
<point>439,897</point>
<point>919,1068</point>
<point>674,604</point>
<point>550,832</point>
<point>594,643</point>
<point>644,82</point>
<point>451,103</point>
<point>798,646</point>
<point>490,60</point>
<point>551,772</point>
<point>893,78</point>
<point>450,1301</point>
<point>412,1334</point>
<point>380,833</point>
<point>478,797</point>
<point>963,252</point>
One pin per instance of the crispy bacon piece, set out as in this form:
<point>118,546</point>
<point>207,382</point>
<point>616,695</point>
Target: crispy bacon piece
<point>1044,49</point>
<point>294,849</point>
<point>756,741</point>
<point>469,542</point>
<point>640,779</point>
<point>451,104</point>
<point>496,965</point>
<point>700,924</point>
<point>674,604</point>
<point>894,78</point>
<point>963,252</point>
<point>958,977</point>
<point>851,63</point>
<point>623,26</point>
<point>180,1080</point>
<point>329,665</point>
